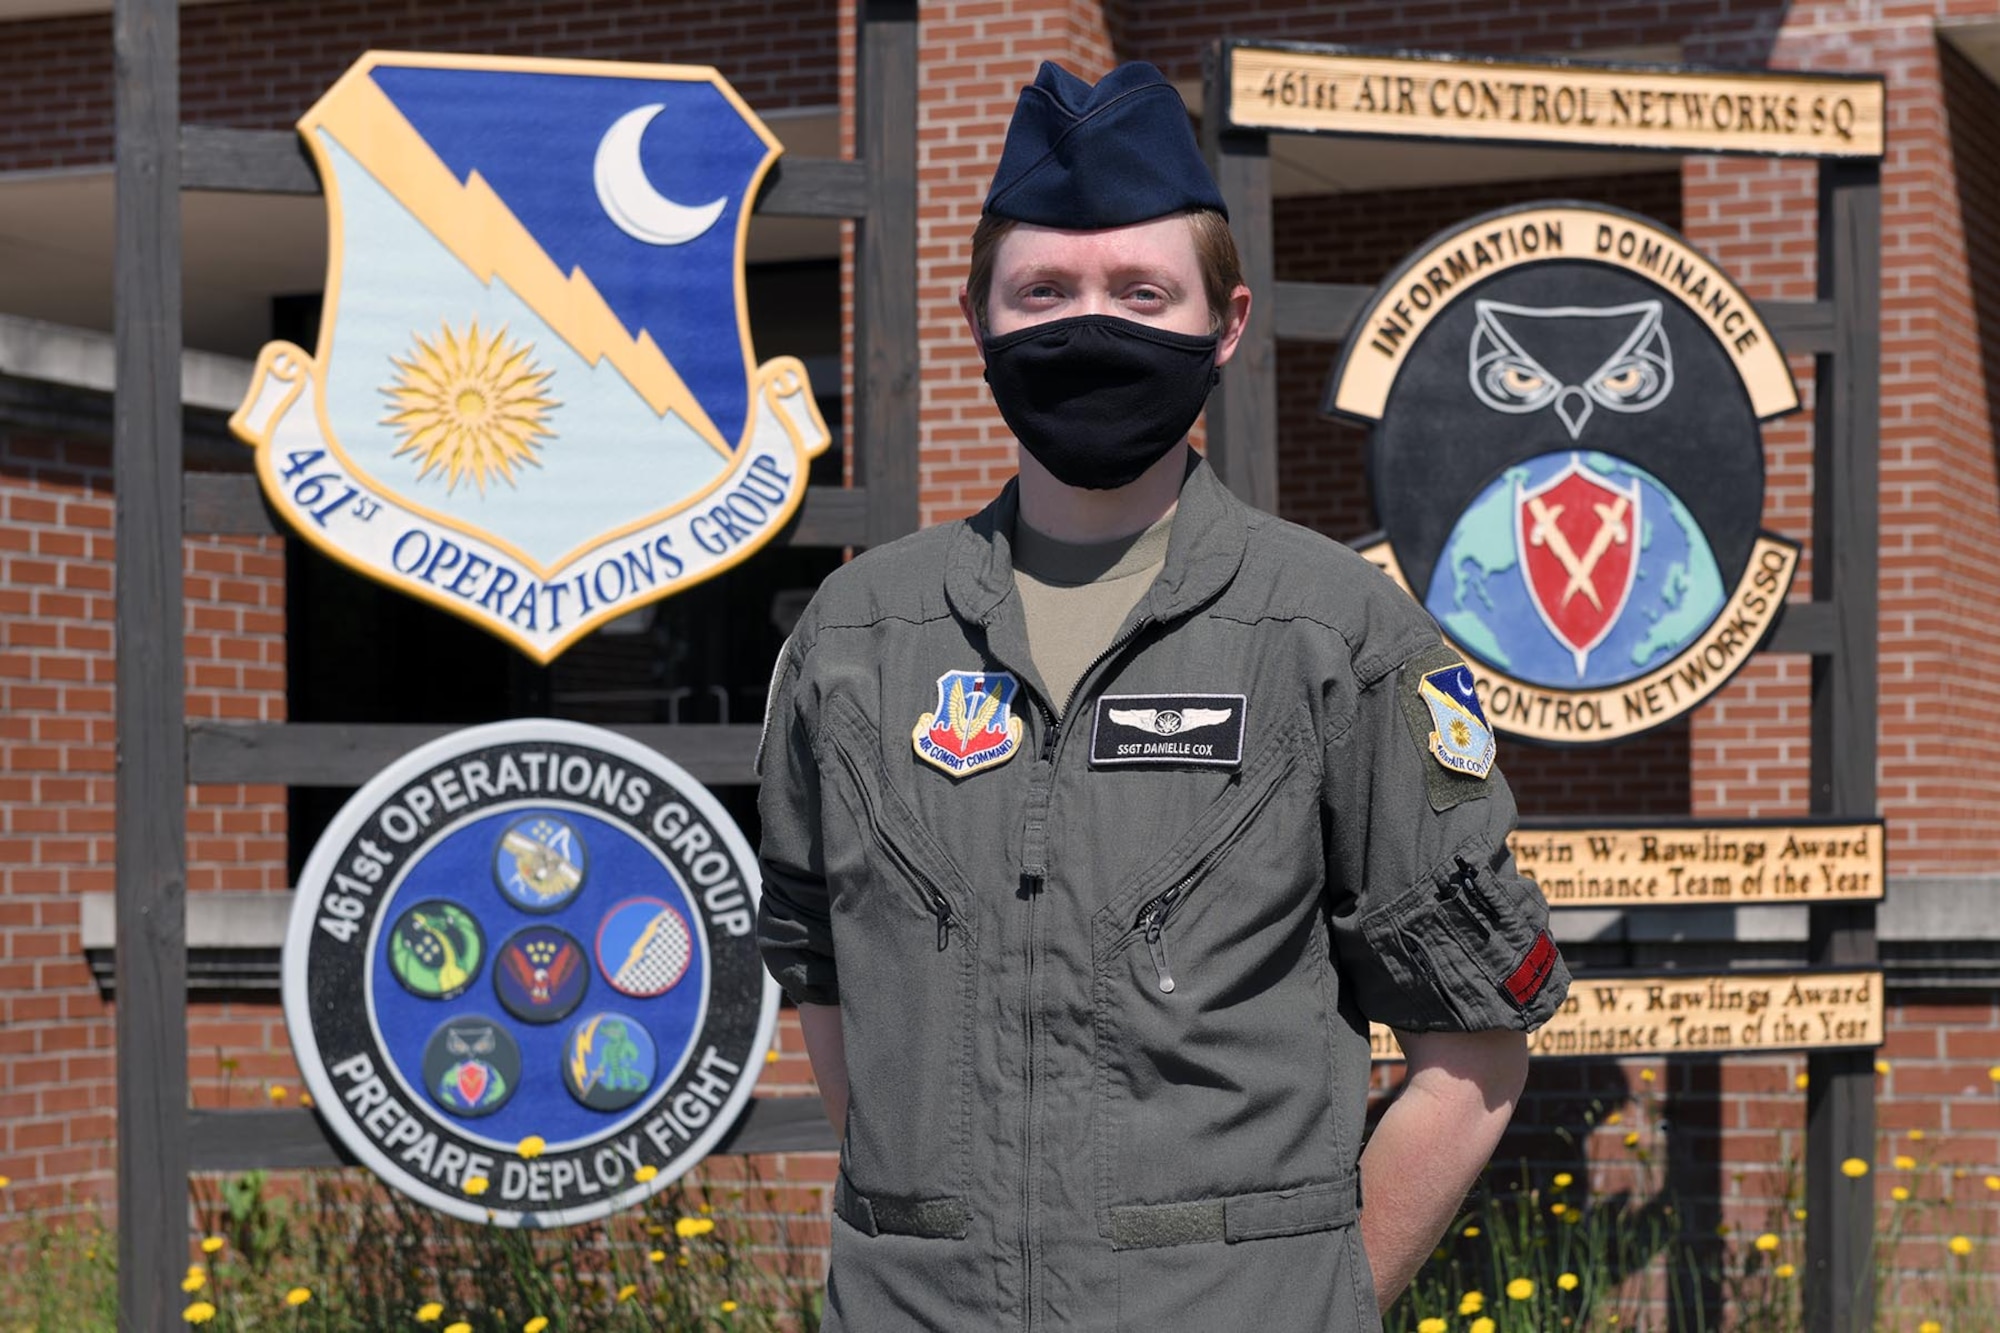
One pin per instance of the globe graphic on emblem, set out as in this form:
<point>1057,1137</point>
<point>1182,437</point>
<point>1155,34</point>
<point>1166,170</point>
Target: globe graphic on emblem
<point>435,949</point>
<point>1576,570</point>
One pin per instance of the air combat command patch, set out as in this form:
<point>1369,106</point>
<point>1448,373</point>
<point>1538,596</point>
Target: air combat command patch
<point>973,726</point>
<point>534,400</point>
<point>622,1017</point>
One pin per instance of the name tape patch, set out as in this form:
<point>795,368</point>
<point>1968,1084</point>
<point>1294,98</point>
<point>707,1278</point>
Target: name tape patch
<point>1165,729</point>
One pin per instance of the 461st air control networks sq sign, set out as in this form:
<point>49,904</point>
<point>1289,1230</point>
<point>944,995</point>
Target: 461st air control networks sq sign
<point>533,401</point>
<point>1567,463</point>
<point>530,931</point>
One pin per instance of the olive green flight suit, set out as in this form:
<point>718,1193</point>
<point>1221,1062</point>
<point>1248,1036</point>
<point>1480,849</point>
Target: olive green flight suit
<point>1105,1002</point>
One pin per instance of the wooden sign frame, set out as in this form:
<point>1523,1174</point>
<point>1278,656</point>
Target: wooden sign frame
<point>1841,329</point>
<point>160,1138</point>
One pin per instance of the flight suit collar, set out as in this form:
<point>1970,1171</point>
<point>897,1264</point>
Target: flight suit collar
<point>1203,553</point>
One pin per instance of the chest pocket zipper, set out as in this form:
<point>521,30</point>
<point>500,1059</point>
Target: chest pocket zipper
<point>936,901</point>
<point>1152,919</point>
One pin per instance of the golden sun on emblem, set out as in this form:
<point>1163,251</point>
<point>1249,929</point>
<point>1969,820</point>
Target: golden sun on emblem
<point>470,405</point>
<point>1461,735</point>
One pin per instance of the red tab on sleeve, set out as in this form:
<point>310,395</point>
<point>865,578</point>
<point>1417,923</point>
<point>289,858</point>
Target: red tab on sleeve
<point>1527,979</point>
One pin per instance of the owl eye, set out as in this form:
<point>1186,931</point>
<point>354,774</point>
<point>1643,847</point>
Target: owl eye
<point>1517,384</point>
<point>1631,383</point>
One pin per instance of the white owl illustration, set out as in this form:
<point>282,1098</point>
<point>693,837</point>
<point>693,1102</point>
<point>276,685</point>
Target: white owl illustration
<point>1525,358</point>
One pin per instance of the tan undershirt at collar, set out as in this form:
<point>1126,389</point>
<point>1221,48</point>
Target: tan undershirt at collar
<point>1075,597</point>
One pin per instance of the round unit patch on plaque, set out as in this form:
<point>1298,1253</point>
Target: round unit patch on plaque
<point>541,974</point>
<point>539,863</point>
<point>435,949</point>
<point>579,852</point>
<point>643,947</point>
<point>609,1062</point>
<point>471,1066</point>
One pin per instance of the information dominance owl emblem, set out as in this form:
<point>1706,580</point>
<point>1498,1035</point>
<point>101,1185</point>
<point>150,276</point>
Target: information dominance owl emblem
<point>1567,462</point>
<point>472,1066</point>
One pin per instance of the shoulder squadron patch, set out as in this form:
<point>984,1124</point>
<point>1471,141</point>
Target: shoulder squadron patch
<point>1461,739</point>
<point>1440,703</point>
<point>973,726</point>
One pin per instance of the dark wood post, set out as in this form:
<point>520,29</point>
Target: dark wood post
<point>152,768</point>
<point>1243,411</point>
<point>1840,1093</point>
<point>886,408</point>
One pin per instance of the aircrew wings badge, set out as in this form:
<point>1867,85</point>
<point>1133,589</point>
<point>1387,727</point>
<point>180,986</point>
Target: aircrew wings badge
<point>973,726</point>
<point>1461,739</point>
<point>533,400</point>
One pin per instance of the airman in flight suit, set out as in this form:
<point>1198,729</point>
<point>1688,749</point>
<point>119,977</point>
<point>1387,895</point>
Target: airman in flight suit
<point>1098,826</point>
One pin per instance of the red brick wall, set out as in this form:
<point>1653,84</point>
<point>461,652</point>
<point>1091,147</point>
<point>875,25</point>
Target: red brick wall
<point>260,65</point>
<point>57,749</point>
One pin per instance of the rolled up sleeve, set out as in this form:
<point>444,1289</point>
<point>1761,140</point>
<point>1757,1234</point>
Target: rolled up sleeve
<point>794,923</point>
<point>1433,927</point>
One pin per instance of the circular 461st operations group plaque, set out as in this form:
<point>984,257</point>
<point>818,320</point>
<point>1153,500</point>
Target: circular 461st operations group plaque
<point>529,930</point>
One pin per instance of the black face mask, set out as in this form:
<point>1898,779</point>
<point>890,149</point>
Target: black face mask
<point>1097,399</point>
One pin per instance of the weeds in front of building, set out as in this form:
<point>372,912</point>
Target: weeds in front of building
<point>330,1252</point>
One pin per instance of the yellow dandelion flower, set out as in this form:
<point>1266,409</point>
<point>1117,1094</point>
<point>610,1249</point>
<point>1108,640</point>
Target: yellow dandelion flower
<point>1568,1281</point>
<point>1563,1180</point>
<point>305,1099</point>
<point>1616,1117</point>
<point>1784,1270</point>
<point>645,1173</point>
<point>1930,1326</point>
<point>656,1256</point>
<point>1854,1168</point>
<point>1960,1245</point>
<point>729,1307</point>
<point>1469,1232</point>
<point>1767,1242</point>
<point>1994,1073</point>
<point>1798,1214</point>
<point>5,1181</point>
<point>276,1094</point>
<point>1900,1194</point>
<point>477,1185</point>
<point>1904,1162</point>
<point>1520,1289</point>
<point>1993,1182</point>
<point>1801,1082</point>
<point>211,1244</point>
<point>1482,1326</point>
<point>1632,1140</point>
<point>1472,1302</point>
<point>298,1296</point>
<point>1557,1209</point>
<point>531,1147</point>
<point>687,1228</point>
<point>430,1313</point>
<point>536,1325</point>
<point>627,1292</point>
<point>1882,1067</point>
<point>1572,1215</point>
<point>460,1327</point>
<point>682,1261</point>
<point>1916,1136</point>
<point>1432,1325</point>
<point>1646,1076</point>
<point>199,1313</point>
<point>195,1279</point>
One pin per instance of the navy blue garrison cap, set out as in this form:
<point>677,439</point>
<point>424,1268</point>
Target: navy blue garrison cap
<point>1082,158</point>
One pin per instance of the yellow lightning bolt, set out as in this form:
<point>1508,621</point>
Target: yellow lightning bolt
<point>579,1061</point>
<point>487,238</point>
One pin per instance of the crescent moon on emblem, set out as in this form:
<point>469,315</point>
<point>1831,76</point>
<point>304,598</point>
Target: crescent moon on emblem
<point>629,199</point>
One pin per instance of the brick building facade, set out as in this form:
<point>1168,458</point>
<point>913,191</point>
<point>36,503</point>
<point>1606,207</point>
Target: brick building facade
<point>1744,754</point>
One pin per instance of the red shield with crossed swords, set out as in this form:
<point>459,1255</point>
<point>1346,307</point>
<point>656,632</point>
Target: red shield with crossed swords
<point>1578,537</point>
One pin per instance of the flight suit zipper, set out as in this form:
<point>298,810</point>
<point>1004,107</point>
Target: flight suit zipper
<point>1052,730</point>
<point>934,898</point>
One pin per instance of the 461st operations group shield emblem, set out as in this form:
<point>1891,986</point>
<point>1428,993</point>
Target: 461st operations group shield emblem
<point>533,399</point>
